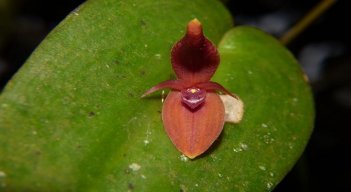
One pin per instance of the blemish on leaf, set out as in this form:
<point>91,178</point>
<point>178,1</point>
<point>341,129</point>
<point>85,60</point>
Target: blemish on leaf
<point>158,56</point>
<point>127,171</point>
<point>75,11</point>
<point>91,114</point>
<point>268,139</point>
<point>130,186</point>
<point>119,76</point>
<point>134,167</point>
<point>2,174</point>
<point>183,158</point>
<point>234,108</point>
<point>263,168</point>
<point>241,147</point>
<point>214,157</point>
<point>116,62</point>
<point>37,153</point>
<point>142,23</point>
<point>291,146</point>
<point>142,72</point>
<point>269,185</point>
<point>148,133</point>
<point>264,125</point>
<point>131,120</point>
<point>2,179</point>
<point>182,188</point>
<point>305,77</point>
<point>295,100</point>
<point>79,146</point>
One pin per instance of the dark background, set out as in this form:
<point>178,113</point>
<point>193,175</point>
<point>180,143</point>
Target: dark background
<point>323,51</point>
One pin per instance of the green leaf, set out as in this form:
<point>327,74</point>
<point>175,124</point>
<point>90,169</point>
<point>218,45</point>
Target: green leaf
<point>279,112</point>
<point>72,118</point>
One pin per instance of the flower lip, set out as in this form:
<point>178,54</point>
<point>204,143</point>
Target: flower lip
<point>193,97</point>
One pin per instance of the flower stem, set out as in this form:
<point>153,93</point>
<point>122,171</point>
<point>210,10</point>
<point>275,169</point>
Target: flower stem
<point>312,15</point>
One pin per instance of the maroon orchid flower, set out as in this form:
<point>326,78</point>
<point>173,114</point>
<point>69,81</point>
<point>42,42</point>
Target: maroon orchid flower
<point>193,113</point>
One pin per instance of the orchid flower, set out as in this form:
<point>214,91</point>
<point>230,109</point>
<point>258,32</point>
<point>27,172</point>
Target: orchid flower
<point>193,113</point>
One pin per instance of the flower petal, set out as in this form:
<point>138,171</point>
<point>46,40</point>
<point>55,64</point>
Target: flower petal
<point>172,84</point>
<point>213,86</point>
<point>194,58</point>
<point>193,131</point>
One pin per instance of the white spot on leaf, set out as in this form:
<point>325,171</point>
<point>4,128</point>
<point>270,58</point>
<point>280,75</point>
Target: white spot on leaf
<point>2,174</point>
<point>158,56</point>
<point>134,167</point>
<point>269,185</point>
<point>291,146</point>
<point>2,179</point>
<point>234,108</point>
<point>263,168</point>
<point>241,147</point>
<point>184,158</point>
<point>268,139</point>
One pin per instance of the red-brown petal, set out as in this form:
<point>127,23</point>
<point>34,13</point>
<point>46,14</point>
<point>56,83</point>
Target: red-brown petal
<point>193,132</point>
<point>213,86</point>
<point>194,58</point>
<point>172,84</point>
